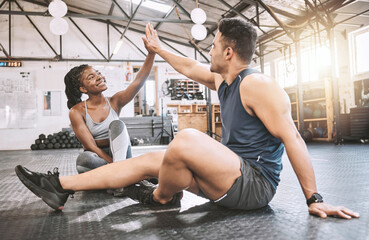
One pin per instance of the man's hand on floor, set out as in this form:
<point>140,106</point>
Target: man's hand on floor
<point>323,210</point>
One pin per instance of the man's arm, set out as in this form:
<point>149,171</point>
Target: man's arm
<point>189,67</point>
<point>264,97</point>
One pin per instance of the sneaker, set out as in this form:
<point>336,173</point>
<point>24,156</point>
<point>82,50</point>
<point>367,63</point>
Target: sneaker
<point>45,186</point>
<point>143,192</point>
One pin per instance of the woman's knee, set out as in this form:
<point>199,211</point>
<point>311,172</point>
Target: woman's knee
<point>87,161</point>
<point>117,127</point>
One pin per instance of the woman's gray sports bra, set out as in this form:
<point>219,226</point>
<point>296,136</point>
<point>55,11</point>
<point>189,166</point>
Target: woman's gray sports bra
<point>100,130</point>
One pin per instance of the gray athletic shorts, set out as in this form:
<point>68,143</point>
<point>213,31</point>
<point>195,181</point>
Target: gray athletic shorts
<point>250,191</point>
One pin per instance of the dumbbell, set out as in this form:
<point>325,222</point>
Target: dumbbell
<point>41,146</point>
<point>34,147</point>
<point>41,136</point>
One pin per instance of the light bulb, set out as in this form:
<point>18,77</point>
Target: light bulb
<point>198,16</point>
<point>58,8</point>
<point>198,31</point>
<point>117,47</point>
<point>59,26</point>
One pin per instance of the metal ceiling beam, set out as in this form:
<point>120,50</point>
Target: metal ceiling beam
<point>88,39</point>
<point>225,15</point>
<point>1,5</point>
<point>182,8</point>
<point>111,9</point>
<point>139,49</point>
<point>285,13</point>
<point>108,27</point>
<point>332,5</point>
<point>4,51</point>
<point>43,37</point>
<point>175,49</point>
<point>350,14</point>
<point>321,30</point>
<point>165,17</point>
<point>119,25</point>
<point>77,60</point>
<point>10,30</point>
<point>207,60</point>
<point>281,24</point>
<point>103,17</point>
<point>129,23</point>
<point>120,8</point>
<point>240,14</point>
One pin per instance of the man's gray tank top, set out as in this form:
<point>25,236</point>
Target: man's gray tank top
<point>246,135</point>
<point>100,130</point>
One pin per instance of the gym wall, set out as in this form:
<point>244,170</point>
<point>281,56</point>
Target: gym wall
<point>49,75</point>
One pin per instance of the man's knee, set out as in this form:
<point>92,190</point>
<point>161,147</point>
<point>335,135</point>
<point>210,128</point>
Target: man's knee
<point>188,136</point>
<point>183,143</point>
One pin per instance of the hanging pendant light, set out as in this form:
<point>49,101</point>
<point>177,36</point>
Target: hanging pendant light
<point>198,16</point>
<point>58,8</point>
<point>59,26</point>
<point>198,31</point>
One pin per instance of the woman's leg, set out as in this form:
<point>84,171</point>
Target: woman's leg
<point>87,161</point>
<point>119,141</point>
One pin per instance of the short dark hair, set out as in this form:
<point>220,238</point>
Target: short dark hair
<point>72,82</point>
<point>240,35</point>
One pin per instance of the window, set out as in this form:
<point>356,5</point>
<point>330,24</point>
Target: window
<point>360,52</point>
<point>286,73</point>
<point>156,5</point>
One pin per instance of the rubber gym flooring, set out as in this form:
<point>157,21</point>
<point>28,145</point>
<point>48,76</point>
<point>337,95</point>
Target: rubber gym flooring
<point>342,177</point>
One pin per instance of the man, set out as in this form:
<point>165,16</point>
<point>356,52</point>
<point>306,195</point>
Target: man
<point>241,172</point>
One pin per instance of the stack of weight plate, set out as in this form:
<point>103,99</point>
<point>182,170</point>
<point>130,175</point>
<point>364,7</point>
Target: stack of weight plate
<point>62,139</point>
<point>359,118</point>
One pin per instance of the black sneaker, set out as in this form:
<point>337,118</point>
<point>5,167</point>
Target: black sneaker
<point>45,186</point>
<point>143,192</point>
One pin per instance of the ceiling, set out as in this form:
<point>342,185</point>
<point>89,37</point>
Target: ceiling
<point>279,23</point>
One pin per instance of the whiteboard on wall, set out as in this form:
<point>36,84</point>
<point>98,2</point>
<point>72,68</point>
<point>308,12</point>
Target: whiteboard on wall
<point>18,100</point>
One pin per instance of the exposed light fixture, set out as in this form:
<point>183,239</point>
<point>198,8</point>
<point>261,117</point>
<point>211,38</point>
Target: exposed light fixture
<point>154,5</point>
<point>198,31</point>
<point>198,16</point>
<point>58,25</point>
<point>117,47</point>
<point>58,8</point>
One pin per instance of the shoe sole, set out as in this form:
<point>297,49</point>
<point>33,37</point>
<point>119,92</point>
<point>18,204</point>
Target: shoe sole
<point>49,198</point>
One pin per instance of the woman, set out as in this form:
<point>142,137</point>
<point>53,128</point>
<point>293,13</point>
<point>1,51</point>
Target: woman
<point>96,121</point>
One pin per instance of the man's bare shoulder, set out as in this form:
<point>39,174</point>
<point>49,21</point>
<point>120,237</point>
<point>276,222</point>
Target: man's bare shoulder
<point>257,80</point>
<point>256,87</point>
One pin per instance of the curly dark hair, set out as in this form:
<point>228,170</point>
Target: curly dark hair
<point>72,82</point>
<point>240,35</point>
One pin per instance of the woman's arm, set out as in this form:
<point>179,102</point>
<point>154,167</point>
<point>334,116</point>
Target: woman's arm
<point>84,135</point>
<point>120,99</point>
<point>190,68</point>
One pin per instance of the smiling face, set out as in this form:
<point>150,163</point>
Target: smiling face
<point>92,81</point>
